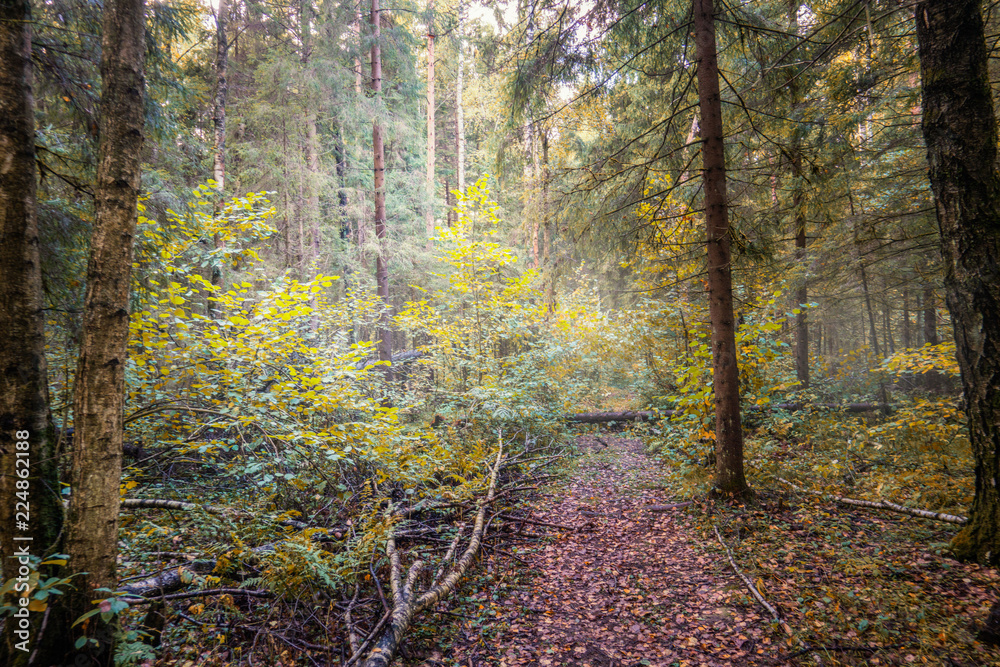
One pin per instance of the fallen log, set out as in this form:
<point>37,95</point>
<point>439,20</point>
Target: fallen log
<point>628,416</point>
<point>651,415</point>
<point>882,504</point>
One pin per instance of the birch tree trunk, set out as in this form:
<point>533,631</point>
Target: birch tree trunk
<point>729,476</point>
<point>92,523</point>
<point>961,135</point>
<point>28,470</point>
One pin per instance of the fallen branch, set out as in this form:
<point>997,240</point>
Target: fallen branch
<point>649,415</point>
<point>209,591</point>
<point>406,602</point>
<point>882,504</point>
<point>746,580</point>
<point>156,503</point>
<point>667,508</point>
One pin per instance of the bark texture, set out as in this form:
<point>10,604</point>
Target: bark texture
<point>92,523</point>
<point>378,146</point>
<point>27,443</point>
<point>431,130</point>
<point>729,476</point>
<point>961,136</point>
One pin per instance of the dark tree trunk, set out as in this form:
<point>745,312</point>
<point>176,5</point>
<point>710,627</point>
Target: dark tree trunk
<point>802,292</point>
<point>961,136</point>
<point>28,470</point>
<point>907,343</point>
<point>381,260</point>
<point>871,312</point>
<point>729,477</point>
<point>930,317</point>
<point>92,522</point>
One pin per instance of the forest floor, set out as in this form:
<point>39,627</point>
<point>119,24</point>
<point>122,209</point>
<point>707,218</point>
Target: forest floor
<point>610,574</point>
<point>629,586</point>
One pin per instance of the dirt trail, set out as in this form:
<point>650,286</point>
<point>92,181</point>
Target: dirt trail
<point>631,587</point>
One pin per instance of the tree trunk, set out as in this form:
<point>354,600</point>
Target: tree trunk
<point>907,343</point>
<point>930,317</point>
<point>221,94</point>
<point>431,129</point>
<point>381,259</point>
<point>871,312</point>
<point>961,136</point>
<point>459,111</point>
<point>92,522</point>
<point>219,122</point>
<point>802,293</point>
<point>28,467</point>
<point>729,477</point>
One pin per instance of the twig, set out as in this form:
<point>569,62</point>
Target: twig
<point>882,504</point>
<point>746,580</point>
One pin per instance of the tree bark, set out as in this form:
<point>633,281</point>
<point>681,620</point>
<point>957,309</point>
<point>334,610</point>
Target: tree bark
<point>219,122</point>
<point>92,523</point>
<point>930,317</point>
<point>802,292</point>
<point>906,319</point>
<point>961,136</point>
<point>28,466</point>
<point>378,145</point>
<point>221,94</point>
<point>431,129</point>
<point>729,476</point>
<point>459,111</point>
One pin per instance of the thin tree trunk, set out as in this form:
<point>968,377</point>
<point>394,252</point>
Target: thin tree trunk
<point>729,476</point>
<point>871,312</point>
<point>537,173</point>
<point>930,317</point>
<point>960,132</point>
<point>802,292</point>
<point>28,464</point>
<point>547,231</point>
<point>381,259</point>
<point>431,130</point>
<point>221,94</point>
<point>907,343</point>
<point>219,122</point>
<point>92,522</point>
<point>459,111</point>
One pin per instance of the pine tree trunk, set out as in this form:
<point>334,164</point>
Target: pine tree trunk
<point>802,293</point>
<point>870,311</point>
<point>907,343</point>
<point>459,111</point>
<point>431,130</point>
<point>961,136</point>
<point>381,259</point>
<point>219,122</point>
<point>26,434</point>
<point>729,476</point>
<point>92,522</point>
<point>930,317</point>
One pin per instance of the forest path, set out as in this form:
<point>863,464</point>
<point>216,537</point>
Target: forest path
<point>630,587</point>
